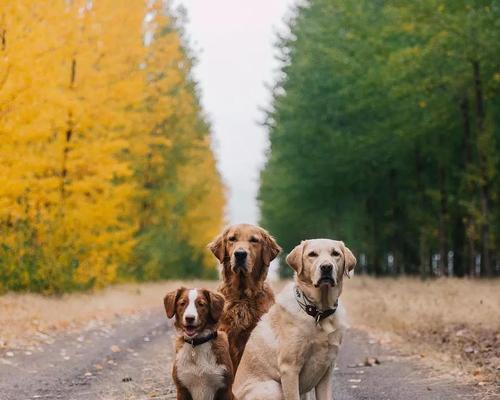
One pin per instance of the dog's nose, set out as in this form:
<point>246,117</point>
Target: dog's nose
<point>240,255</point>
<point>189,319</point>
<point>326,269</point>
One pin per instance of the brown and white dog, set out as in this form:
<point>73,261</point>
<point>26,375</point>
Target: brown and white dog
<point>293,348</point>
<point>244,252</point>
<point>202,369</point>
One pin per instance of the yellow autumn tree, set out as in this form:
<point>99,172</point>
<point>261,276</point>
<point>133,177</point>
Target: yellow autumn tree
<point>204,198</point>
<point>83,120</point>
<point>182,200</point>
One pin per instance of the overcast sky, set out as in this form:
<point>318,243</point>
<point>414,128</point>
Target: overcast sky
<point>233,41</point>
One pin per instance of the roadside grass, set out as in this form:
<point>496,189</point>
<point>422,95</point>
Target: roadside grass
<point>454,324</point>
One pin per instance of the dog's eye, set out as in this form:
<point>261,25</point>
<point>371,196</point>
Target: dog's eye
<point>254,240</point>
<point>335,253</point>
<point>313,254</point>
<point>201,304</point>
<point>182,303</point>
<point>232,238</point>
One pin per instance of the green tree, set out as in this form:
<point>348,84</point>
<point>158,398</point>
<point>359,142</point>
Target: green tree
<point>384,133</point>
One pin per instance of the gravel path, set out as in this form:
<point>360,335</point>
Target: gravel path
<point>131,360</point>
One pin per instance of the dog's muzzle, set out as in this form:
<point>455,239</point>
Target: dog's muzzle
<point>326,276</point>
<point>240,257</point>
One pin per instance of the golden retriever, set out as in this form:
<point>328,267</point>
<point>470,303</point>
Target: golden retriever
<point>244,252</point>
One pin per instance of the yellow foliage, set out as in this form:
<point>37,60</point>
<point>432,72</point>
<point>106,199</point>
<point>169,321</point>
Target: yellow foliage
<point>205,199</point>
<point>79,115</point>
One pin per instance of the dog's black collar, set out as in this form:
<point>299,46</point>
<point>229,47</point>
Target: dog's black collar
<point>311,309</point>
<point>196,341</point>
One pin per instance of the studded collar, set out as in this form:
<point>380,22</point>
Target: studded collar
<point>312,309</point>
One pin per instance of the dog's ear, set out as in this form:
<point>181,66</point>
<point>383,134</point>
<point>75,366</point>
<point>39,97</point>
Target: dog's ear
<point>216,304</point>
<point>270,249</point>
<point>170,301</point>
<point>218,246</point>
<point>349,260</point>
<point>295,257</point>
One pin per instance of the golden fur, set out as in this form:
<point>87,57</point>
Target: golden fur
<point>288,353</point>
<point>247,296</point>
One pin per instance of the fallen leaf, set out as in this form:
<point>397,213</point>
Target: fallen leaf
<point>371,361</point>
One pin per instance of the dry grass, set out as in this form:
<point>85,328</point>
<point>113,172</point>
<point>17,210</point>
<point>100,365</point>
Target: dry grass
<point>454,323</point>
<point>26,318</point>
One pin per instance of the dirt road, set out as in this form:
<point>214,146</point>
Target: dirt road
<point>130,359</point>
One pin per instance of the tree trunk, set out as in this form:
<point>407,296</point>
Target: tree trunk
<point>485,196</point>
<point>459,245</point>
<point>467,135</point>
<point>471,248</point>
<point>396,238</point>
<point>423,248</point>
<point>374,237</point>
<point>443,223</point>
<point>144,218</point>
<point>467,159</point>
<point>3,47</point>
<point>67,138</point>
<point>424,268</point>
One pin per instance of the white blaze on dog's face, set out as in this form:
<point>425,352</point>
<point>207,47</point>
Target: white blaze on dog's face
<point>190,316</point>
<point>321,262</point>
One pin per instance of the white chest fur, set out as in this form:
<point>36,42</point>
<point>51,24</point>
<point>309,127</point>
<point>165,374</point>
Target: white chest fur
<point>198,371</point>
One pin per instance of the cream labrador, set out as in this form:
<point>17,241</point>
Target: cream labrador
<point>293,348</point>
